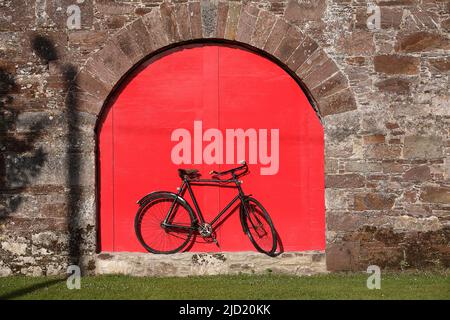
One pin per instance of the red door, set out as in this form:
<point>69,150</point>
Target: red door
<point>207,107</point>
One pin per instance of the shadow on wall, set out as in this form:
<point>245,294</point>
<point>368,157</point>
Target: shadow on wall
<point>45,49</point>
<point>21,161</point>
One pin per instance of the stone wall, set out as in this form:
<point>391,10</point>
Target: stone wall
<point>383,98</point>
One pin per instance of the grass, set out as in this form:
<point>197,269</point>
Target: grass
<point>329,286</point>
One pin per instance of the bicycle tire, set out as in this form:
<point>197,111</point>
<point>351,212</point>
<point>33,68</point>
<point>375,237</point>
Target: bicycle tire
<point>245,219</point>
<point>158,198</point>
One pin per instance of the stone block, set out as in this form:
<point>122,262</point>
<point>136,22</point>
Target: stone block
<point>336,199</point>
<point>87,41</point>
<point>418,174</point>
<point>374,139</point>
<point>362,166</point>
<point>440,64</point>
<point>382,151</point>
<point>422,147</point>
<point>395,64</point>
<point>374,201</point>
<point>421,41</point>
<point>435,194</point>
<point>17,15</point>
<point>356,43</point>
<point>394,86</point>
<point>300,12</point>
<point>343,256</point>
<point>349,180</point>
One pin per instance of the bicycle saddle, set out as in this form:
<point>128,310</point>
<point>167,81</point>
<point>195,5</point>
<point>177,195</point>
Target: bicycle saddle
<point>190,173</point>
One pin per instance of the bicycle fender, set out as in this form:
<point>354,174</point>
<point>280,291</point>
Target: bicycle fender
<point>242,213</point>
<point>152,194</point>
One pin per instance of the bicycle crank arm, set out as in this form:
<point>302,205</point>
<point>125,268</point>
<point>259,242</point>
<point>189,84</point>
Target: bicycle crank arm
<point>174,226</point>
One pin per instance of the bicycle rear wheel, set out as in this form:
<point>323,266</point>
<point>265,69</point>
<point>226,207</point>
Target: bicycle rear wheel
<point>149,228</point>
<point>258,226</point>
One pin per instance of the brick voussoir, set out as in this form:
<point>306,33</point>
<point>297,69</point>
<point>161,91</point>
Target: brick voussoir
<point>125,42</point>
<point>113,58</point>
<point>154,24</point>
<point>98,70</point>
<point>234,11</point>
<point>169,23</point>
<point>331,85</point>
<point>277,34</point>
<point>340,102</point>
<point>195,18</point>
<point>307,48</point>
<point>86,82</point>
<point>291,41</point>
<point>315,60</point>
<point>182,20</point>
<point>222,14</point>
<point>321,73</point>
<point>247,22</point>
<point>263,28</point>
<point>138,32</point>
<point>83,100</point>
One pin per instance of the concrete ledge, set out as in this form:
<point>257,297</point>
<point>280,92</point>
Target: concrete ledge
<point>191,263</point>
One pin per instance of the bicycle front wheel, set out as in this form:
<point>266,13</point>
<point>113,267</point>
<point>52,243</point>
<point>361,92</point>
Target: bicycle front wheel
<point>153,234</point>
<point>258,226</point>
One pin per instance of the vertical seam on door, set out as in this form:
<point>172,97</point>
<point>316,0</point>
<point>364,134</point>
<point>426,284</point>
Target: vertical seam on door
<point>218,111</point>
<point>113,188</point>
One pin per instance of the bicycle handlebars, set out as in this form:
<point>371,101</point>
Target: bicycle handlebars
<point>244,167</point>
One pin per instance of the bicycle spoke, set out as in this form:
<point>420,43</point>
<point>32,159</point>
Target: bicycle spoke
<point>161,238</point>
<point>261,232</point>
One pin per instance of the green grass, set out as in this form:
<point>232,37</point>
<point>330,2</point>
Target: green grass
<point>330,286</point>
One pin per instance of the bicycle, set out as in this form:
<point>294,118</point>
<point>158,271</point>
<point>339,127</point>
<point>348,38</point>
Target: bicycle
<point>165,221</point>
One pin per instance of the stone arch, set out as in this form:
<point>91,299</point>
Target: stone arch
<point>172,24</point>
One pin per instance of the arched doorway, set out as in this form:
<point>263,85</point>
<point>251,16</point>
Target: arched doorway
<point>179,95</point>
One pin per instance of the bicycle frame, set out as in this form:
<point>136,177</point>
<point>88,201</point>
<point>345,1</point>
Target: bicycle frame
<point>186,185</point>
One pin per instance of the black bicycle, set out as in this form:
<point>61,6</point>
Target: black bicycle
<point>165,222</point>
